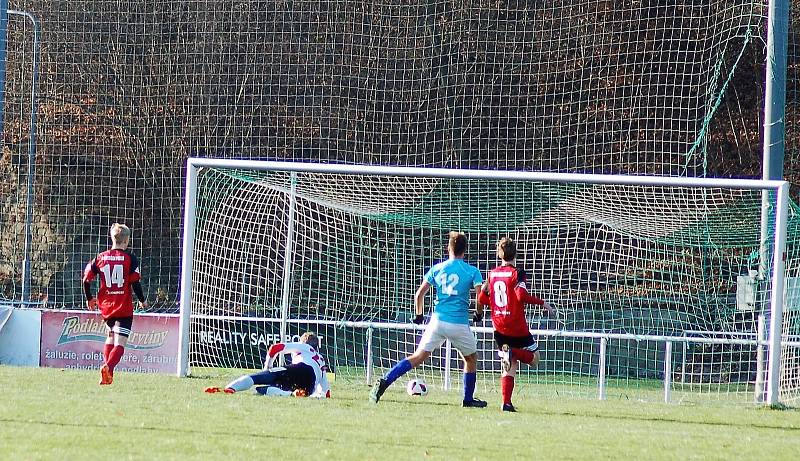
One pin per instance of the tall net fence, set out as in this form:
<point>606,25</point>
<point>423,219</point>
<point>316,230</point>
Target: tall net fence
<point>128,91</point>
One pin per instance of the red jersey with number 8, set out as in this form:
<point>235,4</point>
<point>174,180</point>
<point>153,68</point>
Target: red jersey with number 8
<point>117,269</point>
<point>509,295</point>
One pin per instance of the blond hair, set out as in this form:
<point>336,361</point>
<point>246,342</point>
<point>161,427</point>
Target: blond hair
<point>311,339</point>
<point>120,233</point>
<point>506,249</point>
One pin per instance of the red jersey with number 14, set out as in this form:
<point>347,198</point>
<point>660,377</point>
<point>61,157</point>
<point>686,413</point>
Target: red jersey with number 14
<point>117,269</point>
<point>508,295</point>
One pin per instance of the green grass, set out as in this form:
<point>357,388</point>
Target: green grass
<point>62,414</point>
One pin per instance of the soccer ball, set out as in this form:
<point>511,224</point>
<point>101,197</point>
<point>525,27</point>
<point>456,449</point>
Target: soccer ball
<point>417,387</point>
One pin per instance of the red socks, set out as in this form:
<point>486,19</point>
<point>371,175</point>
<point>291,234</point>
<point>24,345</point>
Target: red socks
<point>107,351</point>
<point>507,388</point>
<point>115,356</point>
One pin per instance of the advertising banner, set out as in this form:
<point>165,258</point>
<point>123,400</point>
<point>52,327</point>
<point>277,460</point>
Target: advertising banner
<point>75,340</point>
<point>243,343</point>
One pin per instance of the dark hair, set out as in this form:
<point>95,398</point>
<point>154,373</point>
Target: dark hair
<point>506,249</point>
<point>457,243</point>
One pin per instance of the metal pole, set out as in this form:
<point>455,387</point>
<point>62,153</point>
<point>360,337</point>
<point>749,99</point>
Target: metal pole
<point>667,370</point>
<point>601,372</point>
<point>683,359</point>
<point>762,336</point>
<point>448,357</point>
<point>187,260</point>
<point>776,296</point>
<point>26,263</point>
<point>368,364</point>
<point>287,257</point>
<point>774,112</point>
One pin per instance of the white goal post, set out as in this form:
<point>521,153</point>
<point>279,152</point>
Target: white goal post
<point>776,191</point>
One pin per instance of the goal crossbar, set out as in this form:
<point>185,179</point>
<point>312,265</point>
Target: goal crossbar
<point>508,175</point>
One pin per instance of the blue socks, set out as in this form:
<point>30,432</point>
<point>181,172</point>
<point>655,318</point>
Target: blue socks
<point>469,386</point>
<point>402,367</point>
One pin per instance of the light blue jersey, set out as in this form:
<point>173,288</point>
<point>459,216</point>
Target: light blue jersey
<point>453,280</point>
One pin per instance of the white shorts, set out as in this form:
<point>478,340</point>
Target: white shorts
<point>459,335</point>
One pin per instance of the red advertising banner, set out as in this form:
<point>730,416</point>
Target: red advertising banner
<point>75,340</point>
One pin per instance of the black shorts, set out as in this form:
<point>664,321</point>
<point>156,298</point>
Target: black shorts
<point>295,376</point>
<point>516,342</point>
<point>120,325</point>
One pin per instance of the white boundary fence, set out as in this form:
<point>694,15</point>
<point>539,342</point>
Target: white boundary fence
<point>668,344</point>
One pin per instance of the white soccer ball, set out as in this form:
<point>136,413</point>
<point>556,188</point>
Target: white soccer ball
<point>417,386</point>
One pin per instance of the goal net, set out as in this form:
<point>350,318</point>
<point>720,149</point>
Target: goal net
<point>659,287</point>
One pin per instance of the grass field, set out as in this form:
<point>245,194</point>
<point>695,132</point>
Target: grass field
<point>63,414</point>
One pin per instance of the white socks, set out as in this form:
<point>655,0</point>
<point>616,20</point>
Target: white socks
<point>241,384</point>
<point>276,392</point>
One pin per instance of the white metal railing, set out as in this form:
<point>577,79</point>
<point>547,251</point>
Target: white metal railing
<point>686,339</point>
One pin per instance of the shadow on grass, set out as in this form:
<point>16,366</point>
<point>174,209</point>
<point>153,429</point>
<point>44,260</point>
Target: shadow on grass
<point>670,420</point>
<point>311,438</point>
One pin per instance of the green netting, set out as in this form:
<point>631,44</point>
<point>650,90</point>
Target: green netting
<point>662,261</point>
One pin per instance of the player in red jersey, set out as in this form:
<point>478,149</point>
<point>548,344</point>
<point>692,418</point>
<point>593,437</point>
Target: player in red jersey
<point>119,275</point>
<point>505,292</point>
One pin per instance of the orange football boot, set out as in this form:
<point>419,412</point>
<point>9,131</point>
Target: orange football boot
<point>106,375</point>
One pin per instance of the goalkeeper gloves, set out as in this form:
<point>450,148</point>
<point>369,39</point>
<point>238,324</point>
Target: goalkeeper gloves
<point>418,319</point>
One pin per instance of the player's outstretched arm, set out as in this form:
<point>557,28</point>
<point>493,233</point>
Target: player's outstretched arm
<point>282,348</point>
<point>91,301</point>
<point>88,275</point>
<point>482,300</point>
<point>527,298</point>
<point>137,290</point>
<point>419,302</point>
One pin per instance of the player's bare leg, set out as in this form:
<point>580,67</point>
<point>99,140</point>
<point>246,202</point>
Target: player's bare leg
<point>505,357</point>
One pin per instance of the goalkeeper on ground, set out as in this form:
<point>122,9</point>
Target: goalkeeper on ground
<point>305,376</point>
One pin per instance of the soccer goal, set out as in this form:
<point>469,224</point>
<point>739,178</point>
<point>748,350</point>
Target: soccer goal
<point>664,287</point>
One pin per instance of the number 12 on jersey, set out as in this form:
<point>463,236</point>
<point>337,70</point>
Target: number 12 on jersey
<point>447,283</point>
